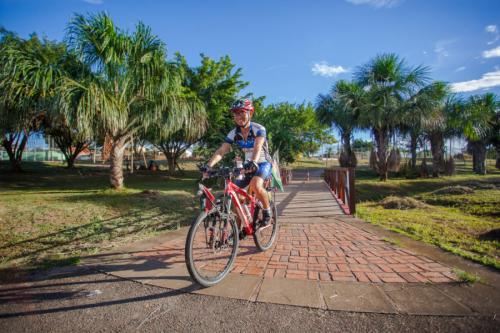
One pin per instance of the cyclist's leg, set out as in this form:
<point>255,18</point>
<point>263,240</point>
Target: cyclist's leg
<point>257,183</point>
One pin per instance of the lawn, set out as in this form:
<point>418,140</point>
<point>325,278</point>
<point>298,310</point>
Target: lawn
<point>50,215</point>
<point>465,224</point>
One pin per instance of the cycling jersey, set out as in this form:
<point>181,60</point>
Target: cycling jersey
<point>256,130</point>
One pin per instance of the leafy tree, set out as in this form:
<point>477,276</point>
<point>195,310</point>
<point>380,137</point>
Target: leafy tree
<point>130,87</point>
<point>175,143</point>
<point>388,81</point>
<point>291,129</point>
<point>359,144</point>
<point>69,140</point>
<point>217,84</point>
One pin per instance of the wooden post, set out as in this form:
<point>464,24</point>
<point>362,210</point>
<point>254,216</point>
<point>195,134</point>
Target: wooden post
<point>352,191</point>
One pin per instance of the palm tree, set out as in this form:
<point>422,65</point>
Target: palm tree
<point>30,71</point>
<point>427,115</point>
<point>130,87</point>
<point>479,120</point>
<point>388,81</point>
<point>438,128</point>
<point>341,109</point>
<point>418,111</point>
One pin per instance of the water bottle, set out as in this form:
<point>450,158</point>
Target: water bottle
<point>239,165</point>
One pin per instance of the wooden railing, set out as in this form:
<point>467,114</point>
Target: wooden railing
<point>286,175</point>
<point>341,183</point>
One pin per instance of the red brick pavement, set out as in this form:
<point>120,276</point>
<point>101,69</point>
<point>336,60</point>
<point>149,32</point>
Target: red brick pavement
<point>333,251</point>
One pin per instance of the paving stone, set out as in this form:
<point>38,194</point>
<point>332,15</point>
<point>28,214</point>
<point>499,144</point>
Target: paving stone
<point>422,300</point>
<point>355,296</point>
<point>291,292</point>
<point>234,286</point>
<point>480,298</point>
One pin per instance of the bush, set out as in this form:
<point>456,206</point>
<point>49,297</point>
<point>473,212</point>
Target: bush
<point>393,202</point>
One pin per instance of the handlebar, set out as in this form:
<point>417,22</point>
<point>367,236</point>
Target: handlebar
<point>225,172</point>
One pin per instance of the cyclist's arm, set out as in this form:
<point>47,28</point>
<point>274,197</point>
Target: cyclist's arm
<point>257,148</point>
<point>219,153</point>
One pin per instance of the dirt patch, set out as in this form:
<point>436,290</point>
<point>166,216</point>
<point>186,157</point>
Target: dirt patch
<point>458,189</point>
<point>150,193</point>
<point>401,203</point>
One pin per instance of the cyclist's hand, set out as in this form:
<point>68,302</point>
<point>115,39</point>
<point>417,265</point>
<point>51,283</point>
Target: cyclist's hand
<point>205,170</point>
<point>251,166</point>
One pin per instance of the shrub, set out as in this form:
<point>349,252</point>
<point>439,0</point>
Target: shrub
<point>458,189</point>
<point>393,202</point>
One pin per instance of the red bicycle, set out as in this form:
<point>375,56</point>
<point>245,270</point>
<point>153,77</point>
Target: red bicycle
<point>212,241</point>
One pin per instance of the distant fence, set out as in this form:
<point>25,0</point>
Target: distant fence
<point>341,183</point>
<point>36,155</point>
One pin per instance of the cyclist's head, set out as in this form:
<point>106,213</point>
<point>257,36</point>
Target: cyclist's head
<point>242,111</point>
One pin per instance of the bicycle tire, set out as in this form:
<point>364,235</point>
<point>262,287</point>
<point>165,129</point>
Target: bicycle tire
<point>190,261</point>
<point>259,243</point>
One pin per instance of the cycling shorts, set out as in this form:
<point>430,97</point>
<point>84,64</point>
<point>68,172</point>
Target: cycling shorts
<point>264,172</point>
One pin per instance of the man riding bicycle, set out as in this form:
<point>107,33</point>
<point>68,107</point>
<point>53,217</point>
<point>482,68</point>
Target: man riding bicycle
<point>250,137</point>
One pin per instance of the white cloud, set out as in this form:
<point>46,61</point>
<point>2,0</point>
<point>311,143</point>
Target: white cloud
<point>441,48</point>
<point>322,68</point>
<point>491,28</point>
<point>488,80</point>
<point>94,2</point>
<point>377,3</point>
<point>492,53</point>
<point>461,68</point>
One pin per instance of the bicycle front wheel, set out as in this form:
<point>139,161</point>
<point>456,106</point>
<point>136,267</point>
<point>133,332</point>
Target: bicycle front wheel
<point>211,247</point>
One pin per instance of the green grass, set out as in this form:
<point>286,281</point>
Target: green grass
<point>51,216</point>
<point>456,223</point>
<point>466,277</point>
<point>392,241</point>
<point>312,163</point>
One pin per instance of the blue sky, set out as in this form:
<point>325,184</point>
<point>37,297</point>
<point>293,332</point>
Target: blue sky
<point>294,50</point>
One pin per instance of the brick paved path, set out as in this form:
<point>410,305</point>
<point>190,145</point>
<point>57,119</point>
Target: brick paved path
<point>315,244</point>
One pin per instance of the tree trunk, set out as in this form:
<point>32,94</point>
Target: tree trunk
<point>382,143</point>
<point>437,150</point>
<point>15,150</point>
<point>413,149</point>
<point>347,158</point>
<point>171,162</point>
<point>478,149</point>
<point>116,163</point>
<point>70,162</point>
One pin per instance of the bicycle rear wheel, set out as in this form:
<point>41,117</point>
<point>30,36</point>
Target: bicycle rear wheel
<point>265,236</point>
<point>211,247</point>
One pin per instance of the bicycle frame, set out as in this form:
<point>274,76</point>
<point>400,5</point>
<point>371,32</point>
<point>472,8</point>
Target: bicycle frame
<point>233,191</point>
